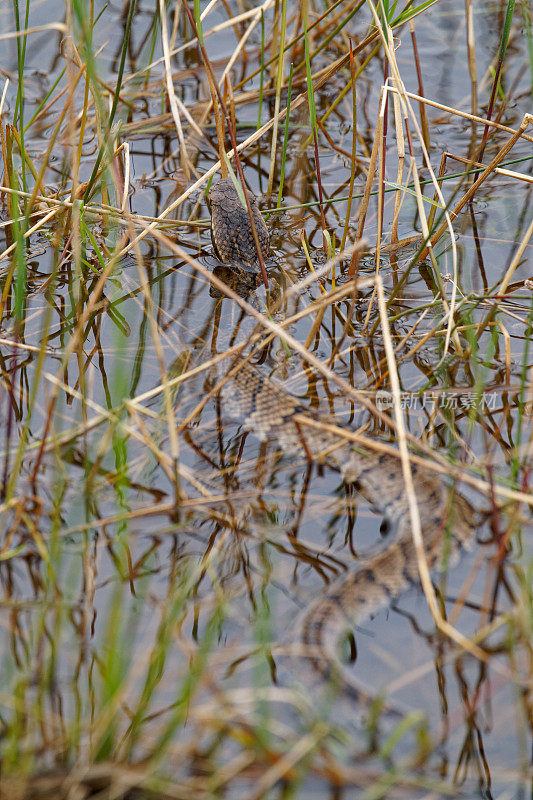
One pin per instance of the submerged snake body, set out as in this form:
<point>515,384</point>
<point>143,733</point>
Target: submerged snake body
<point>446,521</point>
<point>268,411</point>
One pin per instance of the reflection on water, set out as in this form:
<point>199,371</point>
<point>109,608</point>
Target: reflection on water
<point>151,541</point>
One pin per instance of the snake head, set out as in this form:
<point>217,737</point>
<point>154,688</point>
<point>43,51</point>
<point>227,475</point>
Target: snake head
<point>224,193</point>
<point>231,229</point>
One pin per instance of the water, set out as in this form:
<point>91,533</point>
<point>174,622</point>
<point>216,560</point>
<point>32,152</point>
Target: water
<point>96,558</point>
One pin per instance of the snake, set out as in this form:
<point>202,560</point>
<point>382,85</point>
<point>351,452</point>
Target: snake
<point>231,228</point>
<point>447,519</point>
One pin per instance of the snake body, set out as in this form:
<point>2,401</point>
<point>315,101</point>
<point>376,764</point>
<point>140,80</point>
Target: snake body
<point>231,230</point>
<point>447,519</point>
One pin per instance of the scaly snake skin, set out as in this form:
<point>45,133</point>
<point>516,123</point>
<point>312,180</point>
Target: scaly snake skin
<point>231,231</point>
<point>264,408</point>
<point>446,518</point>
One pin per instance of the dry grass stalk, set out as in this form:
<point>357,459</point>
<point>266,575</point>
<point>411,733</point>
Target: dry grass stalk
<point>422,108</point>
<point>517,258</point>
<point>471,46</point>
<point>400,143</point>
<point>279,83</point>
<point>354,149</point>
<point>464,114</point>
<point>173,100</point>
<point>363,208</point>
<point>423,568</point>
<point>507,173</point>
<point>527,120</point>
<point>449,309</point>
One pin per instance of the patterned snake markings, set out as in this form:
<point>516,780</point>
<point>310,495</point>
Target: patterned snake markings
<point>446,519</point>
<point>264,408</point>
<point>231,231</point>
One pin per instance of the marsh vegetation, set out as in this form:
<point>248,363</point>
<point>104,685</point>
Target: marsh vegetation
<point>154,553</point>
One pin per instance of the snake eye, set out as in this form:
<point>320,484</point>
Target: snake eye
<point>348,649</point>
